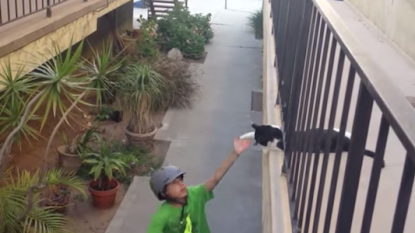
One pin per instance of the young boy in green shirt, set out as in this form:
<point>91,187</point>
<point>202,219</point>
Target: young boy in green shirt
<point>183,209</point>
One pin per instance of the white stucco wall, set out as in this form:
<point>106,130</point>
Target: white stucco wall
<point>395,18</point>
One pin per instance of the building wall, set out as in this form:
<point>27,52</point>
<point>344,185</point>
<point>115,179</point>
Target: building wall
<point>40,49</point>
<point>395,18</point>
<point>117,20</point>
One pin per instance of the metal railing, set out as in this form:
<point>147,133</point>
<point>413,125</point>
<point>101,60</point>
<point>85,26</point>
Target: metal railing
<point>161,8</point>
<point>313,48</point>
<point>12,10</point>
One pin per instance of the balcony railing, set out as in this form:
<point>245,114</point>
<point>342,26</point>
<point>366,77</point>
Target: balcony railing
<point>12,10</point>
<point>319,61</point>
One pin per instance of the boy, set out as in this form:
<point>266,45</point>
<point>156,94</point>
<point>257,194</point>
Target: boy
<point>183,210</point>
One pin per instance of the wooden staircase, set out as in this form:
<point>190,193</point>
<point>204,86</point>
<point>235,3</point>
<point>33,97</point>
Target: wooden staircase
<point>161,8</point>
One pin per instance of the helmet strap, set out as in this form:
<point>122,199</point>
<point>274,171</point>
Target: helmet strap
<point>175,200</point>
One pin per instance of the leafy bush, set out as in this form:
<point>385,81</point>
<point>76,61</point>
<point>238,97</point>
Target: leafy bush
<point>185,31</point>
<point>147,44</point>
<point>183,87</point>
<point>256,22</point>
<point>138,162</point>
<point>201,24</point>
<point>179,36</point>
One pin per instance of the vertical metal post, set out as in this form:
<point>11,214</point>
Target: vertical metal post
<point>226,4</point>
<point>48,9</point>
<point>354,160</point>
<point>1,21</point>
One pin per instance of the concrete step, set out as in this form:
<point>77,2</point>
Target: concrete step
<point>134,213</point>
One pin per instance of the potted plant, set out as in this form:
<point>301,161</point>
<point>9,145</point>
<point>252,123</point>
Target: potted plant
<point>59,188</point>
<point>14,199</point>
<point>69,154</point>
<point>104,163</point>
<point>49,88</point>
<point>141,91</point>
<point>256,21</point>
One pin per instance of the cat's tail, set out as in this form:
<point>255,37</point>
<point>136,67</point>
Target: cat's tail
<point>372,155</point>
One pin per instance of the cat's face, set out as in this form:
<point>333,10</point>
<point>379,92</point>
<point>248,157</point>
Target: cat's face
<point>267,135</point>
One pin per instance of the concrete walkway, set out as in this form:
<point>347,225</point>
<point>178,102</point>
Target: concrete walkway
<point>202,137</point>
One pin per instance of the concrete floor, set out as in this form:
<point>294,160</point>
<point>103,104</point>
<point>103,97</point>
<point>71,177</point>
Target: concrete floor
<point>202,137</point>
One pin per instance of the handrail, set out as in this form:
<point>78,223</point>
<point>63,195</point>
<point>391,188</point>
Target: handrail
<point>12,10</point>
<point>309,37</point>
<point>390,99</point>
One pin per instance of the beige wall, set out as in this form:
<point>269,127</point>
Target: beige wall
<point>41,50</point>
<point>395,18</point>
<point>275,202</point>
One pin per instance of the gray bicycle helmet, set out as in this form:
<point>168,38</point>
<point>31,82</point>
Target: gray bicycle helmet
<point>162,177</point>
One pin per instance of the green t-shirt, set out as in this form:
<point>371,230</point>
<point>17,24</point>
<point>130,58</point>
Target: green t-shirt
<point>167,219</point>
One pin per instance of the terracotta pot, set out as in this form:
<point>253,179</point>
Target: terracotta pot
<point>61,207</point>
<point>103,199</point>
<point>69,162</point>
<point>141,140</point>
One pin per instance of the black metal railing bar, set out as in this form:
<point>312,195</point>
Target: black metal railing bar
<point>12,10</point>
<point>307,34</point>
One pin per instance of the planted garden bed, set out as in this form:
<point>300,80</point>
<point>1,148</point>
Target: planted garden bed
<point>85,127</point>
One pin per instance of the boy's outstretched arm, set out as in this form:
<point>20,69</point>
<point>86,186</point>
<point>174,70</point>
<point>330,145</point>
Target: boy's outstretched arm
<point>240,145</point>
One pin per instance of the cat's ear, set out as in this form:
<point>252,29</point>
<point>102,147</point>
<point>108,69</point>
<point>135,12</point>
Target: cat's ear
<point>255,126</point>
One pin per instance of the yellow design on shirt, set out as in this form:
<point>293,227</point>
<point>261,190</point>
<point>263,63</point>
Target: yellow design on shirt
<point>188,228</point>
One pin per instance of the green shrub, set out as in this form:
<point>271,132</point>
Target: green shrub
<point>185,31</point>
<point>201,24</point>
<point>183,87</point>
<point>179,36</point>
<point>256,22</point>
<point>147,45</point>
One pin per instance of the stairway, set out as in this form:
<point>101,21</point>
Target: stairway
<point>160,8</point>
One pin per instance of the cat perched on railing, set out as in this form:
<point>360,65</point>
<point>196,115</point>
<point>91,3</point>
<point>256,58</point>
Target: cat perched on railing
<point>272,135</point>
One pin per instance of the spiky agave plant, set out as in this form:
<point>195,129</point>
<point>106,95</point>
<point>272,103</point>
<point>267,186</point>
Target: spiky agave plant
<point>141,92</point>
<point>45,86</point>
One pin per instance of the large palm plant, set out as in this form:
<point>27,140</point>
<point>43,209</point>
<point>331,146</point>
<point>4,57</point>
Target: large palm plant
<point>141,91</point>
<point>44,86</point>
<point>21,97</point>
<point>101,69</point>
<point>40,219</point>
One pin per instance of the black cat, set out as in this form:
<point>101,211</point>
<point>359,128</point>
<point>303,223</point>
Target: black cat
<point>266,135</point>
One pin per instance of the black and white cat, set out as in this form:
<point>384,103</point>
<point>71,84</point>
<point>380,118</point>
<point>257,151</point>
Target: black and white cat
<point>268,135</point>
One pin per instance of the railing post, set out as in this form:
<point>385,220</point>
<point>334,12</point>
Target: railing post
<point>353,170</point>
<point>296,89</point>
<point>48,12</point>
<point>404,195</point>
<point>375,175</point>
<point>153,12</point>
<point>298,68</point>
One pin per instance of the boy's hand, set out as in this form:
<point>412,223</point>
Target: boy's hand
<point>240,145</point>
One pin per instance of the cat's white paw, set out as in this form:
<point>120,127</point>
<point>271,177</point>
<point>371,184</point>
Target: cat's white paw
<point>249,135</point>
